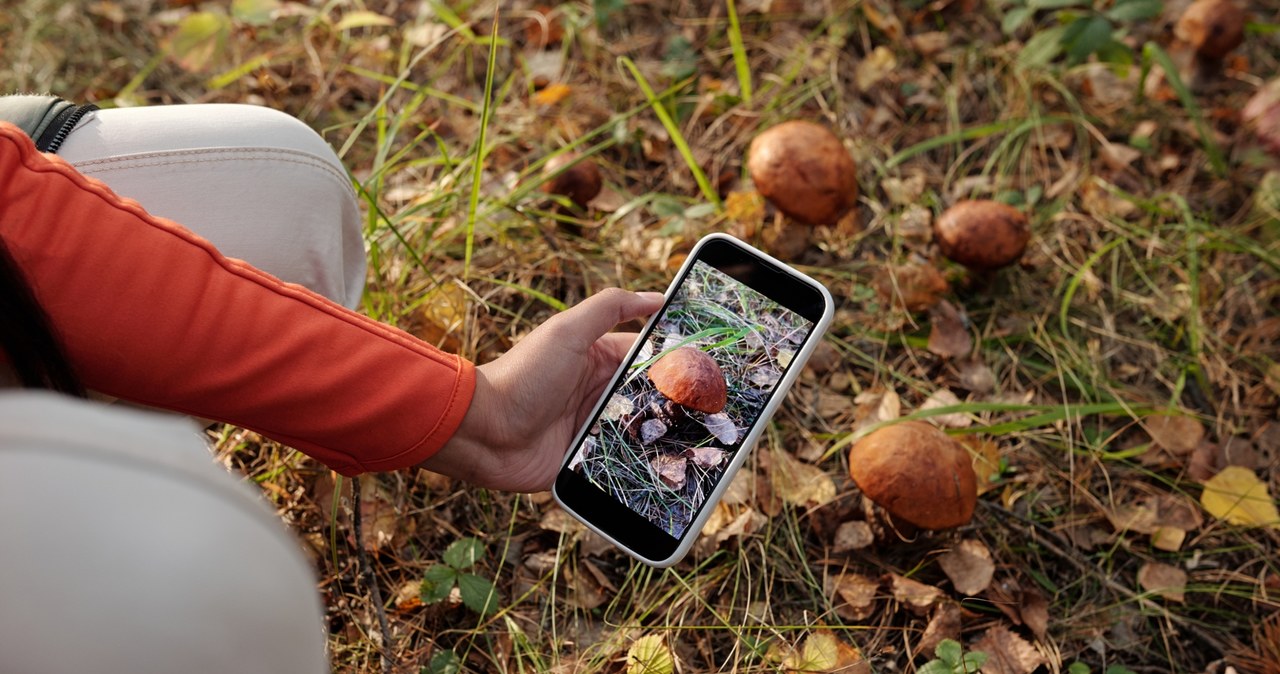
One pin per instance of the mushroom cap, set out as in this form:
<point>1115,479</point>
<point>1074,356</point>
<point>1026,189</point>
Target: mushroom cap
<point>1212,27</point>
<point>917,473</point>
<point>689,377</point>
<point>804,170</point>
<point>580,182</point>
<point>982,234</point>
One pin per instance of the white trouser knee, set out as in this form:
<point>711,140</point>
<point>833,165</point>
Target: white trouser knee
<point>123,549</point>
<point>257,183</point>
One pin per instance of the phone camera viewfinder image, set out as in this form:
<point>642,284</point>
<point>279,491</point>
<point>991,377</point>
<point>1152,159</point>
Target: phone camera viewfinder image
<point>667,434</point>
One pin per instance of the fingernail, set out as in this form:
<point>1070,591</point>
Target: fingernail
<point>651,296</point>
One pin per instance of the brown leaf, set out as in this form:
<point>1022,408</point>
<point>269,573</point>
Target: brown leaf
<point>671,470</point>
<point>986,461</point>
<point>969,567</point>
<point>914,287</point>
<point>799,483</point>
<point>1177,434</point>
<point>723,428</point>
<point>1035,611</point>
<point>1166,581</point>
<point>381,522</point>
<point>945,398</point>
<point>948,336</point>
<point>945,623</point>
<point>852,535</point>
<point>1007,653</point>
<point>651,430</point>
<point>853,594</point>
<point>975,376</point>
<point>917,596</point>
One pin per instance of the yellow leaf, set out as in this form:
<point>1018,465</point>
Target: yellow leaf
<point>199,39</point>
<point>823,652</point>
<point>1239,497</point>
<point>552,94</point>
<point>650,655</point>
<point>363,19</point>
<point>799,483</point>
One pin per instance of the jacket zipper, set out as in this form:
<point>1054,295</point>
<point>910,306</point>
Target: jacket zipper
<point>57,133</point>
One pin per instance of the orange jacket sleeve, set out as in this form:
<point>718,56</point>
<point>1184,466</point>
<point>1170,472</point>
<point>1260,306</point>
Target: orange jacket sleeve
<point>152,313</point>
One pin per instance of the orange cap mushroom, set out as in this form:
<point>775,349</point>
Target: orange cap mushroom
<point>917,473</point>
<point>982,234</point>
<point>804,170</point>
<point>1212,27</point>
<point>580,182</point>
<point>691,378</point>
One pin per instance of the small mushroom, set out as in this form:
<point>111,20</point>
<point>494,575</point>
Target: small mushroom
<point>982,234</point>
<point>1212,27</point>
<point>580,182</point>
<point>689,377</point>
<point>803,169</point>
<point>917,473</point>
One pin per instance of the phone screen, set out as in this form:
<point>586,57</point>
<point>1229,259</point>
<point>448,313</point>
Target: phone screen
<point>661,443</point>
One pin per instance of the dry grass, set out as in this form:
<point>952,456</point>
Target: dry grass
<point>1149,285</point>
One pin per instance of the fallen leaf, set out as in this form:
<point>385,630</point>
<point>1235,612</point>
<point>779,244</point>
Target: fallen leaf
<point>877,65</point>
<point>823,652</point>
<point>852,535</point>
<point>986,461</point>
<point>799,483</point>
<point>948,336</point>
<point>975,376</point>
<point>945,623</point>
<point>381,522</point>
<point>552,94</point>
<point>1239,497</point>
<point>913,287</point>
<point>945,398</point>
<point>1177,434</point>
<point>1168,539</point>
<point>651,430</point>
<point>1007,653</point>
<point>917,596</point>
<point>618,406</point>
<point>1035,612</point>
<point>854,595</point>
<point>650,654</point>
<point>559,521</point>
<point>969,566</point>
<point>1169,582</point>
<point>671,470</point>
<point>722,427</point>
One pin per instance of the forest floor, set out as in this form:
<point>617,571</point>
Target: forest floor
<point>1103,383</point>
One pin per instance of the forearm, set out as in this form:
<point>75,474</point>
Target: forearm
<point>152,313</point>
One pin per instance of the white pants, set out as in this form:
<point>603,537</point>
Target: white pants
<point>123,547</point>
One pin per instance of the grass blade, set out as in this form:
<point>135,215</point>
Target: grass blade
<point>676,137</point>
<point>1151,52</point>
<point>739,53</point>
<point>486,112</point>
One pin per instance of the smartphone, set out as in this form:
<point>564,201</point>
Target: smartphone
<point>691,398</point>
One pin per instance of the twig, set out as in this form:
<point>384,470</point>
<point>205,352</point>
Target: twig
<point>365,572</point>
<point>1064,550</point>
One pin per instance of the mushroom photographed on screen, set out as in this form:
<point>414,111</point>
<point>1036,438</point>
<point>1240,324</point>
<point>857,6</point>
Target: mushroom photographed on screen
<point>689,378</point>
<point>917,474</point>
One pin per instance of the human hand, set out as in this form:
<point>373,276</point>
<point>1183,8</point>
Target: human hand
<point>529,403</point>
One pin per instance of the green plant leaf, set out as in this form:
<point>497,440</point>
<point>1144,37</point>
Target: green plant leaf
<point>1042,48</point>
<point>254,12</point>
<point>605,9</point>
<point>436,583</point>
<point>949,651</point>
<point>1118,669</point>
<point>1134,10</point>
<point>1078,668</point>
<point>935,667</point>
<point>1116,52</point>
<point>1085,36</point>
<point>1054,4</point>
<point>1014,18</point>
<point>443,662</point>
<point>973,661</point>
<point>464,553</point>
<point>200,39</point>
<point>478,593</point>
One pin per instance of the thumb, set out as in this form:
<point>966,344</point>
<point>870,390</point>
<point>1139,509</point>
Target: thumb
<point>584,323</point>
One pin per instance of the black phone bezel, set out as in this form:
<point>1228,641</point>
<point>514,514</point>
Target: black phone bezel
<point>630,529</point>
